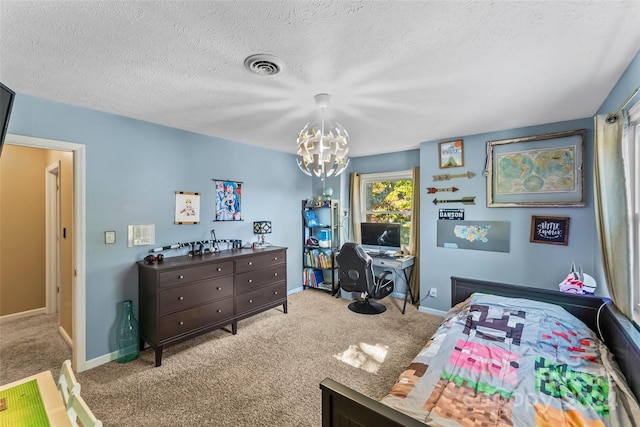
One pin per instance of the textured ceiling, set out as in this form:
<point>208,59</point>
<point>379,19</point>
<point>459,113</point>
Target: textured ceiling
<point>399,72</point>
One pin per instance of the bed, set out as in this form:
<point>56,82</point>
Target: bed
<point>342,406</point>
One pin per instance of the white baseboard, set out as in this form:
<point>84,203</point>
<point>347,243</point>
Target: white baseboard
<point>65,336</point>
<point>293,291</point>
<point>101,360</point>
<point>23,314</point>
<point>428,310</point>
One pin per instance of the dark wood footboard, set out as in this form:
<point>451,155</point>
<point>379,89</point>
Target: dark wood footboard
<point>344,407</point>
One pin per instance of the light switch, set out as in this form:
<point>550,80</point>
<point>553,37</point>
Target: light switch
<point>109,237</point>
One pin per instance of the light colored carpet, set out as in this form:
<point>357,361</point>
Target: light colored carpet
<point>266,375</point>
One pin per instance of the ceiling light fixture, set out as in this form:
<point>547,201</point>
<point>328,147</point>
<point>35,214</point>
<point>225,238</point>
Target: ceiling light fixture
<point>323,151</point>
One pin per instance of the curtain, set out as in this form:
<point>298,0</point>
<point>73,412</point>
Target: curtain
<point>354,207</point>
<point>612,207</point>
<point>414,239</point>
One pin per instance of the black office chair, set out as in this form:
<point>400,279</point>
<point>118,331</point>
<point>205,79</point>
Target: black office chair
<point>356,275</point>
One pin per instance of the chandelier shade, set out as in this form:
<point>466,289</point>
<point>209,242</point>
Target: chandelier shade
<point>321,151</point>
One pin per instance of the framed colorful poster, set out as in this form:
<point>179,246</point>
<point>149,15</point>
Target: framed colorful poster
<point>451,154</point>
<point>187,208</point>
<point>543,170</point>
<point>228,200</point>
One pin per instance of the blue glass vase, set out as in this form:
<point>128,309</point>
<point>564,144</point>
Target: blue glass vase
<point>128,334</point>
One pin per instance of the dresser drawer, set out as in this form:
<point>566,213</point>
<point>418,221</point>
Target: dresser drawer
<point>190,274</point>
<point>182,297</point>
<point>217,311</point>
<point>251,280</point>
<point>185,321</point>
<point>259,297</point>
<point>178,323</point>
<point>259,261</point>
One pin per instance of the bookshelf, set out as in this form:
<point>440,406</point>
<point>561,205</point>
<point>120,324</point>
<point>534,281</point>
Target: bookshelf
<point>320,244</point>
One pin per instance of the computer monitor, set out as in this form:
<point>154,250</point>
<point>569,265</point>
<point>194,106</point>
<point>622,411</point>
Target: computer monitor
<point>380,236</point>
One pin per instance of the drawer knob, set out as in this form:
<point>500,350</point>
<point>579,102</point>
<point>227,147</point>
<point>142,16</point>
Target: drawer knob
<point>180,323</point>
<point>250,301</point>
<point>181,277</point>
<point>250,263</point>
<point>275,274</point>
<point>181,298</point>
<point>219,288</point>
<point>219,311</point>
<point>275,258</point>
<point>250,280</point>
<point>219,269</point>
<point>275,293</point>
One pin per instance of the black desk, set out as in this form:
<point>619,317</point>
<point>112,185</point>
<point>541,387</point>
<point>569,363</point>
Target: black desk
<point>399,264</point>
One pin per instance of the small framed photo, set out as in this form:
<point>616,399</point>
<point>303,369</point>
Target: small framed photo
<point>187,208</point>
<point>552,230</point>
<point>451,154</point>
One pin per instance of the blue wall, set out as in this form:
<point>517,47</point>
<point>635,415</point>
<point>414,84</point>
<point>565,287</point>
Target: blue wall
<point>530,264</point>
<point>526,263</point>
<point>133,169</point>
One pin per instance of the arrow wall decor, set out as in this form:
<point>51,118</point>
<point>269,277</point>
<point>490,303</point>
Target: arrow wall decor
<point>464,201</point>
<point>431,190</point>
<point>448,176</point>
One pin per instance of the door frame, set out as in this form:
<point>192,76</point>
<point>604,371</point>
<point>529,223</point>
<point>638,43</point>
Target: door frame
<point>52,232</point>
<point>79,354</point>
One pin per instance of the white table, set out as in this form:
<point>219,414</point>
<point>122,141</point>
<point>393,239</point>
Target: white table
<point>399,264</point>
<point>56,411</point>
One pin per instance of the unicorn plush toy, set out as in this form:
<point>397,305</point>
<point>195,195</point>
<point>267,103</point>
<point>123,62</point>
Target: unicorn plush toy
<point>577,282</point>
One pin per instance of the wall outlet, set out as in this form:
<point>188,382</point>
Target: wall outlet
<point>433,292</point>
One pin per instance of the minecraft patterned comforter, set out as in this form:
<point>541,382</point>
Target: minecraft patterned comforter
<point>498,361</point>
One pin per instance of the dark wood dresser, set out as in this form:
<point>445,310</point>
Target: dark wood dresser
<point>186,296</point>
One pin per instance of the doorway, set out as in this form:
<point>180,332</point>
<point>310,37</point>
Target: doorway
<point>78,251</point>
<point>52,237</point>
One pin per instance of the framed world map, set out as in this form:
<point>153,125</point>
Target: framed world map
<point>542,170</point>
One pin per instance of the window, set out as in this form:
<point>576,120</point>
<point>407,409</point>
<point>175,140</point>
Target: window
<point>387,197</point>
<point>634,188</point>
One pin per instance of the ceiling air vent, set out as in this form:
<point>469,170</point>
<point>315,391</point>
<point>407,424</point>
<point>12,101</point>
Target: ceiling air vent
<point>265,65</point>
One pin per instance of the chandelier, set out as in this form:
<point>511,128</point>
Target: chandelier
<point>323,151</point>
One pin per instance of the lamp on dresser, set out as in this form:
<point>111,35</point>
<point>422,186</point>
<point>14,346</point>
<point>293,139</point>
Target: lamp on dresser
<point>262,228</point>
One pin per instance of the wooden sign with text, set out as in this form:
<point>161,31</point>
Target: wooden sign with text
<point>553,230</point>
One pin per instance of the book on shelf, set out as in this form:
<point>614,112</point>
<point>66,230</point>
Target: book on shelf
<point>310,218</point>
<point>326,286</point>
<point>313,278</point>
<point>318,278</point>
<point>319,258</point>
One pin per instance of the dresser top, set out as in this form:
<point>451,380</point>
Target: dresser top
<point>224,255</point>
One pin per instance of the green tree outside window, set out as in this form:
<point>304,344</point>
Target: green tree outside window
<point>390,201</point>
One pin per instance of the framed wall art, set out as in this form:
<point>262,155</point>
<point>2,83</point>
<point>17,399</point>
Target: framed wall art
<point>553,230</point>
<point>543,170</point>
<point>451,154</point>
<point>477,235</point>
<point>228,200</point>
<point>187,208</point>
